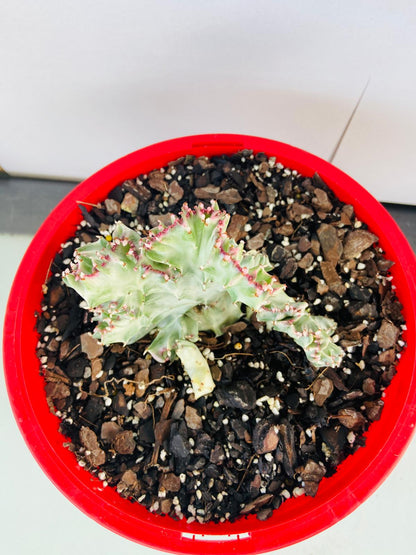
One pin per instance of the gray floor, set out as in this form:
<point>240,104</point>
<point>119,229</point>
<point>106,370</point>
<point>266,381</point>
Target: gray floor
<point>25,203</point>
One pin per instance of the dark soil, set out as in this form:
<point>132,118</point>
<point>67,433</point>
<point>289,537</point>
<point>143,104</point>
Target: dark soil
<point>274,425</point>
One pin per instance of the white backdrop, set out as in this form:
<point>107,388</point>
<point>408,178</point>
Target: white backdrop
<point>86,81</point>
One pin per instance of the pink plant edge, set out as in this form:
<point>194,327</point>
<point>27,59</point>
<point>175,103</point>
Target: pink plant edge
<point>297,519</point>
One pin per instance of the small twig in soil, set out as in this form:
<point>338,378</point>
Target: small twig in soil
<point>53,263</point>
<point>153,417</point>
<point>71,351</point>
<point>87,421</point>
<point>45,283</point>
<point>165,390</point>
<point>295,230</point>
<point>235,355</point>
<point>121,380</point>
<point>317,377</point>
<point>170,397</point>
<point>155,381</point>
<point>284,354</point>
<point>215,346</point>
<point>245,472</point>
<point>143,341</point>
<point>87,203</point>
<point>160,427</point>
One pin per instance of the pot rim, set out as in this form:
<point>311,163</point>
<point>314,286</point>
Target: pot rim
<point>297,519</point>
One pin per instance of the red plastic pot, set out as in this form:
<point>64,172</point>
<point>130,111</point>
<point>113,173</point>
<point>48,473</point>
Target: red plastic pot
<point>357,477</point>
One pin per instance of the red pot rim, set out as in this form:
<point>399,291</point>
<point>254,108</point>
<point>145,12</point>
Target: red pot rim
<point>297,519</point>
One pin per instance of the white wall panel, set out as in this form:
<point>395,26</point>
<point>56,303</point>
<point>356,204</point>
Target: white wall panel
<point>87,81</point>
<point>379,148</point>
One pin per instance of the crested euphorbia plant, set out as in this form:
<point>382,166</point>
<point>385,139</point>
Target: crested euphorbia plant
<point>185,278</point>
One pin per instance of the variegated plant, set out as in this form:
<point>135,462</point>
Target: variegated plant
<point>186,278</point>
